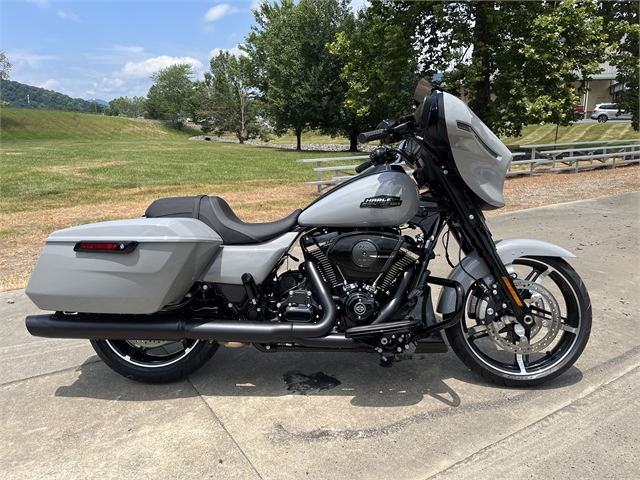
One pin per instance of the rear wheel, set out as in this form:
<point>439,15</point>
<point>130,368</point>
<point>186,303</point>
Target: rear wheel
<point>493,344</point>
<point>602,118</point>
<point>154,361</point>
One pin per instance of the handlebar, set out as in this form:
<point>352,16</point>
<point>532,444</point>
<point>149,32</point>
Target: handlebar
<point>392,133</point>
<point>363,166</point>
<point>365,137</point>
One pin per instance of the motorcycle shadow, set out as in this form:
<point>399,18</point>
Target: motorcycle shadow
<point>248,373</point>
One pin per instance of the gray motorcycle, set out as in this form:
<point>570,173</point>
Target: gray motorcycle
<point>158,295</point>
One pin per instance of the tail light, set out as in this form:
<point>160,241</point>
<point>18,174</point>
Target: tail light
<point>105,247</point>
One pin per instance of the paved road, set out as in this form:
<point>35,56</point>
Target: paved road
<point>251,415</point>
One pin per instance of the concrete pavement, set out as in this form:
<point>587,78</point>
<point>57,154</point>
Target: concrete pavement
<point>251,415</point>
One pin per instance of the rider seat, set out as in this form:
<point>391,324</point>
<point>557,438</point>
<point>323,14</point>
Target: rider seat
<point>218,215</point>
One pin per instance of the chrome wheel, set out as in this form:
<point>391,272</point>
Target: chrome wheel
<point>154,361</point>
<point>491,342</point>
<point>152,353</point>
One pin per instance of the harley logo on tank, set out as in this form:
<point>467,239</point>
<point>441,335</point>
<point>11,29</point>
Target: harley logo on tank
<point>381,201</point>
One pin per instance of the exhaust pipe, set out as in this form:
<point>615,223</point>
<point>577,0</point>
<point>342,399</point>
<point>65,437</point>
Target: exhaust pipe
<point>175,327</point>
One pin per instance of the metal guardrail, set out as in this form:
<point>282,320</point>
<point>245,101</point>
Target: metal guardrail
<point>543,158</point>
<point>576,156</point>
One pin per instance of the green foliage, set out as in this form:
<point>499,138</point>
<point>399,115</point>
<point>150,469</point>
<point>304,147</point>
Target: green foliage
<point>513,62</point>
<point>25,96</point>
<point>292,67</point>
<point>127,107</point>
<point>5,66</point>
<point>621,20</point>
<point>566,46</point>
<point>379,65</point>
<point>170,95</point>
<point>223,102</point>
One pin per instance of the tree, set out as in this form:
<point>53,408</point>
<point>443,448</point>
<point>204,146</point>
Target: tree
<point>379,66</point>
<point>621,24</point>
<point>297,76</point>
<point>223,102</point>
<point>171,92</point>
<point>495,54</point>
<point>127,107</point>
<point>5,66</point>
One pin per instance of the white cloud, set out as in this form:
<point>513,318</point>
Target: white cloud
<point>127,49</point>
<point>152,65</point>
<point>68,15</point>
<point>110,84</point>
<point>219,11</point>
<point>25,60</point>
<point>235,51</point>
<point>50,84</point>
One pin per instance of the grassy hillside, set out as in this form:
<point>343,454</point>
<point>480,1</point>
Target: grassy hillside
<point>23,124</point>
<point>579,132</point>
<point>56,159</point>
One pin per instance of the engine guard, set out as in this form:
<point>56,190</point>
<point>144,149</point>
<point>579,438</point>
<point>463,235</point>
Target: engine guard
<point>508,249</point>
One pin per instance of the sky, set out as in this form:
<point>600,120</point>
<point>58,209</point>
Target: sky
<point>103,49</point>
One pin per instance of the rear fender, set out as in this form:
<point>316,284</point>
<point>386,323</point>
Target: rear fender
<point>508,250</point>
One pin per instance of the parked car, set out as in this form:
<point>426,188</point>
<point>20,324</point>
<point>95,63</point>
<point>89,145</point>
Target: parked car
<point>579,109</point>
<point>609,111</point>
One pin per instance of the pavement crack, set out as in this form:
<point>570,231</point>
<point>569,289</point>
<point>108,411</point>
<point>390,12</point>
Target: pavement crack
<point>224,428</point>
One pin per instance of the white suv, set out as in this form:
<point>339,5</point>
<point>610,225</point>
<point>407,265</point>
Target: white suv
<point>608,111</point>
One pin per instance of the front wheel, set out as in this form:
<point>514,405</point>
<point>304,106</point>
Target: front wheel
<point>493,344</point>
<point>154,361</point>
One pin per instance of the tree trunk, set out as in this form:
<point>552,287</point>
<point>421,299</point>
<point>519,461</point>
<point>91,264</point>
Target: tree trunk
<point>353,142</point>
<point>299,138</point>
<point>480,85</point>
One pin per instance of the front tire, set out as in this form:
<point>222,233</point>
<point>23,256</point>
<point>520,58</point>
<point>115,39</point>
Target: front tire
<point>153,361</point>
<point>487,338</point>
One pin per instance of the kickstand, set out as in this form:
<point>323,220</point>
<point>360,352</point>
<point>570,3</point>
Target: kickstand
<point>386,362</point>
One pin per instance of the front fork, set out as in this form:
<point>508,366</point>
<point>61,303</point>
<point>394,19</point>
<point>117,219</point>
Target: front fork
<point>477,238</point>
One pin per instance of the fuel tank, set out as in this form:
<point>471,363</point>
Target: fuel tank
<point>382,197</point>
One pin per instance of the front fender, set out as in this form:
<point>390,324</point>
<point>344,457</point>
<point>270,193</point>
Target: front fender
<point>508,249</point>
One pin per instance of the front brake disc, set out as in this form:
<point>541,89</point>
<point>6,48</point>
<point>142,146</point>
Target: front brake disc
<point>546,315</point>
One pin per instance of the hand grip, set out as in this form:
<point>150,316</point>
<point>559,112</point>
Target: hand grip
<point>365,137</point>
<point>363,166</point>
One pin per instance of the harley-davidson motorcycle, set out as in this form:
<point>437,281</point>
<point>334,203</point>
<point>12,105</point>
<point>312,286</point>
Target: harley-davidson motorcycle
<point>158,295</point>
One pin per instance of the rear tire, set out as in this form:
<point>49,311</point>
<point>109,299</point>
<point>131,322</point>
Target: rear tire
<point>152,361</point>
<point>602,119</point>
<point>486,338</point>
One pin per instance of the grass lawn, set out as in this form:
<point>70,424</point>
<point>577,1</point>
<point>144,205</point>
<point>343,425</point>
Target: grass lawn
<point>53,160</point>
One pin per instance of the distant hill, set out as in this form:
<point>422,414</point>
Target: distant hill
<point>20,95</point>
<point>98,101</point>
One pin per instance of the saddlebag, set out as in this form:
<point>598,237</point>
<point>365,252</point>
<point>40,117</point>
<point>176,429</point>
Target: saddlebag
<point>127,266</point>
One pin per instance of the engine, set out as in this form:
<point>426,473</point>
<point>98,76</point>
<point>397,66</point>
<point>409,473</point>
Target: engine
<point>360,267</point>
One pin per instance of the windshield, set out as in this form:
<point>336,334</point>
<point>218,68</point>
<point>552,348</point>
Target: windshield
<point>423,89</point>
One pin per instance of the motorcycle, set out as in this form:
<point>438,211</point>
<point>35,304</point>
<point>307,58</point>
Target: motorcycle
<point>158,295</point>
